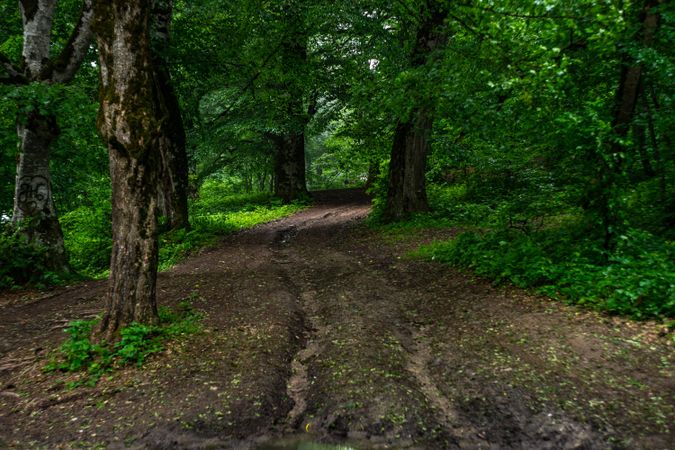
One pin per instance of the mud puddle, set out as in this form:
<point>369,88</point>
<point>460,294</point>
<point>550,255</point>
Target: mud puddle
<point>303,443</point>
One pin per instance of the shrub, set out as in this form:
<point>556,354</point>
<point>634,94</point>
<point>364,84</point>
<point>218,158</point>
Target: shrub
<point>23,263</point>
<point>638,279</point>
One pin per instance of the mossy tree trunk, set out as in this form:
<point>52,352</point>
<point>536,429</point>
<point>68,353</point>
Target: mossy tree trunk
<point>130,120</point>
<point>173,192</point>
<point>406,189</point>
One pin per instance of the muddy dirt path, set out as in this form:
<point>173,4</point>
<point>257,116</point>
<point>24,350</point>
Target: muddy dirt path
<point>316,325</point>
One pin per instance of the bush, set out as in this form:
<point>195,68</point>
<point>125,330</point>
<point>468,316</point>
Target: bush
<point>23,263</point>
<point>215,213</point>
<point>88,238</point>
<point>638,279</point>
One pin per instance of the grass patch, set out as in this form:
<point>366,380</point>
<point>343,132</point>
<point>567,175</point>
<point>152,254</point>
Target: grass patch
<point>137,342</point>
<point>215,215</point>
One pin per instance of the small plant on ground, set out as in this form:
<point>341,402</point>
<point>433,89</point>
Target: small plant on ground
<point>137,342</point>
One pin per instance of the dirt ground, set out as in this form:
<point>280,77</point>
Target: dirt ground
<point>316,325</point>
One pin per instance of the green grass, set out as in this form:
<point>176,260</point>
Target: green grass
<point>217,214</point>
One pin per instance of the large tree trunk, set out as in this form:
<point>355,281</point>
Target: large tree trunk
<point>289,159</point>
<point>173,191</point>
<point>34,209</point>
<point>130,118</point>
<point>289,167</point>
<point>406,191</point>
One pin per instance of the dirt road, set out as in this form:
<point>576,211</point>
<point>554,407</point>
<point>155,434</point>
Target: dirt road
<point>316,325</point>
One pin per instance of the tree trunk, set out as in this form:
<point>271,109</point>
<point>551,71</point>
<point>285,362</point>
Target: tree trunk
<point>174,161</point>
<point>289,167</point>
<point>130,120</point>
<point>373,173</point>
<point>641,144</point>
<point>406,190</point>
<point>34,209</point>
<point>626,98</point>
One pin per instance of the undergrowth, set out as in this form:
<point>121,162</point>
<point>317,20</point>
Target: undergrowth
<point>137,342</point>
<point>24,263</point>
<point>637,279</point>
<point>549,250</point>
<point>215,213</point>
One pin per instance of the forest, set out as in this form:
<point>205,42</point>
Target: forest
<point>494,149</point>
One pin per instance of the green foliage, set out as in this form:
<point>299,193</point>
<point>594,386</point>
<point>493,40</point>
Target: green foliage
<point>23,263</point>
<point>88,234</point>
<point>638,279</point>
<point>335,161</point>
<point>137,342</point>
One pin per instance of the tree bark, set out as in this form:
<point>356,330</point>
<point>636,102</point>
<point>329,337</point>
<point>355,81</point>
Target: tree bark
<point>130,120</point>
<point>37,17</point>
<point>34,209</point>
<point>289,159</point>
<point>289,167</point>
<point>173,192</point>
<point>406,189</point>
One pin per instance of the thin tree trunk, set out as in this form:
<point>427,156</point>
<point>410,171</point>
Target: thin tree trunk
<point>373,173</point>
<point>130,117</point>
<point>641,144</point>
<point>34,209</point>
<point>660,163</point>
<point>624,110</point>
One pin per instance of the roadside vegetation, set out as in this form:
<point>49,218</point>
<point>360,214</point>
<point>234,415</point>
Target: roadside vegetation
<point>219,209</point>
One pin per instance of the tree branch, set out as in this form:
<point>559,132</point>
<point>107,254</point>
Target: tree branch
<point>13,74</point>
<point>249,83</point>
<point>64,67</point>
